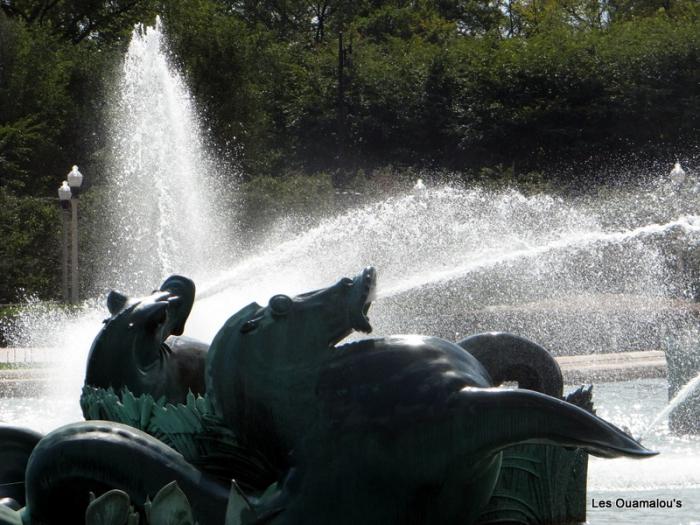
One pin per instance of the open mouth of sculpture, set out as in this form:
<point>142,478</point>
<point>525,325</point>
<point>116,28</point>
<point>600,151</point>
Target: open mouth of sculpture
<point>155,312</point>
<point>363,291</point>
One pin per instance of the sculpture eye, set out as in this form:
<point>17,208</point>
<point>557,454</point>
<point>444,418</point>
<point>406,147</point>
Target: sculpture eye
<point>280,304</point>
<point>249,326</point>
<point>346,281</point>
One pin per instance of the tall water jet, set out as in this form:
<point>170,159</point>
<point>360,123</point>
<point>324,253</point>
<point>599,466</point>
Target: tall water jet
<point>684,393</point>
<point>167,214</point>
<point>164,213</point>
<point>573,275</point>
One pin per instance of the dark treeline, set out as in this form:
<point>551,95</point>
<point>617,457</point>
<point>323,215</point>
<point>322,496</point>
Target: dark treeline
<point>450,84</point>
<point>468,86</point>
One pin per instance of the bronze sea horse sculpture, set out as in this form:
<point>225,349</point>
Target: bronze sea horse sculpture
<point>395,430</point>
<point>389,430</point>
<point>141,346</point>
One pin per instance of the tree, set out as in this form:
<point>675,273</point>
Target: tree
<point>29,247</point>
<point>473,17</point>
<point>76,20</point>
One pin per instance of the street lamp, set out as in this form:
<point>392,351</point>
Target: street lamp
<point>419,187</point>
<point>677,174</point>
<point>64,195</point>
<point>75,180</point>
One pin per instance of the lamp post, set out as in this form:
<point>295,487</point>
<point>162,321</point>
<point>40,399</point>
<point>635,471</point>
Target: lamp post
<point>419,187</point>
<point>64,195</point>
<point>344,60</point>
<point>677,175</point>
<point>75,180</point>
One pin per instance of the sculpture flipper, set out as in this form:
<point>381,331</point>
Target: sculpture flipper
<point>525,416</point>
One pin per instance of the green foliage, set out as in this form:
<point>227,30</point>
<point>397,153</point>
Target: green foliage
<point>269,198</point>
<point>30,232</point>
<point>195,430</point>
<point>51,92</point>
<point>76,20</point>
<point>451,85</point>
<point>405,20</point>
<point>170,506</point>
<point>17,142</point>
<point>111,508</point>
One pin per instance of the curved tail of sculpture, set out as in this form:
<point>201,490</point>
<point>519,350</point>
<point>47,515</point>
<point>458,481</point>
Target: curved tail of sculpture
<point>509,357</point>
<point>16,445</point>
<point>509,417</point>
<point>98,455</point>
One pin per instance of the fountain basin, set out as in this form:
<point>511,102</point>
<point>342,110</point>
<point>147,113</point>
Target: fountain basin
<point>674,473</point>
<point>683,365</point>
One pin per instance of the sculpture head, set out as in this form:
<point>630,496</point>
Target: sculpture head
<point>296,329</point>
<point>267,356</point>
<point>132,338</point>
<point>326,316</point>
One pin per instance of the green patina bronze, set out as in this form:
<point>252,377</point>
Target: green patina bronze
<point>193,429</point>
<point>16,445</point>
<point>392,430</point>
<point>409,421</point>
<point>539,484</point>
<point>141,346</point>
<point>170,506</point>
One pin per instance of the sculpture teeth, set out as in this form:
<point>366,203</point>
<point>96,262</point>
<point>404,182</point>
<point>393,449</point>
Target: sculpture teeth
<point>369,278</point>
<point>367,283</point>
<point>371,294</point>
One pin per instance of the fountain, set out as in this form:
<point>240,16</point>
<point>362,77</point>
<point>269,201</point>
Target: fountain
<point>577,274</point>
<point>161,172</point>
